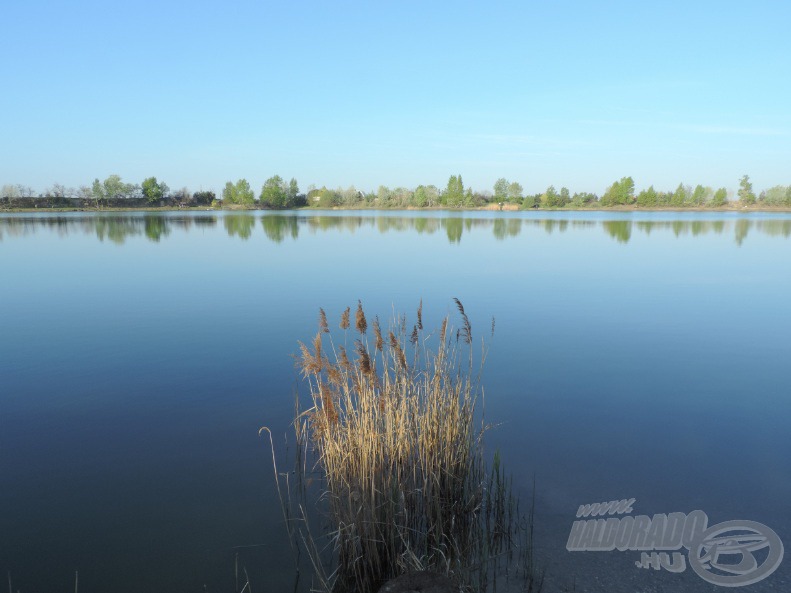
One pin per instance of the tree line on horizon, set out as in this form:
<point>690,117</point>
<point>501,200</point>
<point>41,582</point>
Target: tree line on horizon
<point>276,193</point>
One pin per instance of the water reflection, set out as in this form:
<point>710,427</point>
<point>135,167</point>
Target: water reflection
<point>454,227</point>
<point>426,225</point>
<point>115,228</point>
<point>239,225</point>
<point>156,227</point>
<point>620,230</point>
<point>278,227</point>
<point>741,231</point>
<point>503,228</point>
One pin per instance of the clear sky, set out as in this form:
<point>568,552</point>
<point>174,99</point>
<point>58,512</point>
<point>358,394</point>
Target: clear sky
<point>573,93</point>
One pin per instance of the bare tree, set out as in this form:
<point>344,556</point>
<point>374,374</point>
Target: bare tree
<point>25,191</point>
<point>9,191</point>
<point>59,191</point>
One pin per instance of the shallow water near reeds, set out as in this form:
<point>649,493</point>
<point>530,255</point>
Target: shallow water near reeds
<point>636,355</point>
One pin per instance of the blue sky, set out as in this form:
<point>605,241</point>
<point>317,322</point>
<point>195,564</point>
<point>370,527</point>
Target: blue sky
<point>397,93</point>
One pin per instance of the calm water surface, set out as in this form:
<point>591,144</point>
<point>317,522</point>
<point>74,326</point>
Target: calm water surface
<point>636,355</point>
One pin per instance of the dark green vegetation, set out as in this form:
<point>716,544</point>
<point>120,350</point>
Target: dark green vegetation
<point>276,193</point>
<point>397,461</point>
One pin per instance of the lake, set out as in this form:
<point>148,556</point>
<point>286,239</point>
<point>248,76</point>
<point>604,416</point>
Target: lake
<point>636,355</point>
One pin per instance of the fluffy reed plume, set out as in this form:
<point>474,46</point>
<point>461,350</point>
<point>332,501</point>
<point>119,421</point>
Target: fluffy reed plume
<point>345,318</point>
<point>378,335</point>
<point>323,325</point>
<point>443,329</point>
<point>364,360</point>
<point>400,462</point>
<point>359,319</point>
<point>343,360</point>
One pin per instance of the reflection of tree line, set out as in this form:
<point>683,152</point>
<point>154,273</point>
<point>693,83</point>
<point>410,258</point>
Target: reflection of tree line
<point>278,228</point>
<point>113,228</point>
<point>621,230</point>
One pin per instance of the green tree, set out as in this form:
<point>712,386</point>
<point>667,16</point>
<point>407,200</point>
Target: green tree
<point>229,193</point>
<point>469,198</point>
<point>350,196</point>
<point>425,196</point>
<point>402,197</point>
<point>111,188</point>
<point>274,193</point>
<point>384,195</point>
<point>327,198</point>
<point>97,192</point>
<point>551,198</point>
<point>515,192</point>
<point>776,196</point>
<point>619,193</point>
<point>584,199</point>
<point>647,198</point>
<point>679,196</point>
<point>292,193</point>
<point>565,198</point>
<point>746,195</point>
<point>501,189</point>
<point>238,193</point>
<point>453,196</point>
<point>720,198</point>
<point>420,197</point>
<point>700,195</point>
<point>154,191</point>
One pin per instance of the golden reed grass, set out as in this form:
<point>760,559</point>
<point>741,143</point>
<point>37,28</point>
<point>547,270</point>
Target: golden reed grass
<point>392,427</point>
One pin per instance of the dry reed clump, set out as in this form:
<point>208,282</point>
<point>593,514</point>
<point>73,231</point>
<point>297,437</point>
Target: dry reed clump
<point>392,426</point>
